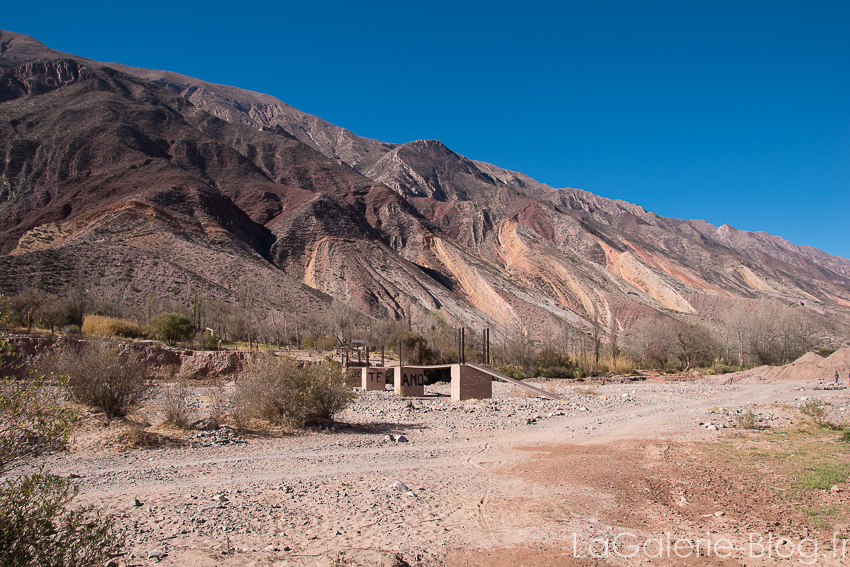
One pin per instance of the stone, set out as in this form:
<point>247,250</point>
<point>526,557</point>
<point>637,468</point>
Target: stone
<point>400,486</point>
<point>137,503</point>
<point>156,554</point>
<point>835,489</point>
<point>400,439</point>
<point>219,498</point>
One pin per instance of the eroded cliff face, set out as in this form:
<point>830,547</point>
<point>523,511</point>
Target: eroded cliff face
<point>210,183</point>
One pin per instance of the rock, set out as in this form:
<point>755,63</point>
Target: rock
<point>111,563</point>
<point>719,513</point>
<point>388,438</point>
<point>400,439</point>
<point>220,498</point>
<point>221,436</point>
<point>156,554</point>
<point>137,503</point>
<point>835,489</point>
<point>400,486</point>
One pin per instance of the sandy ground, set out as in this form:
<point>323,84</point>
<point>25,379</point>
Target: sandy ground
<point>514,480</point>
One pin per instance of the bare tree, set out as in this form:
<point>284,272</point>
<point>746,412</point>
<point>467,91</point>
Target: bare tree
<point>52,312</point>
<point>694,346</point>
<point>27,304</point>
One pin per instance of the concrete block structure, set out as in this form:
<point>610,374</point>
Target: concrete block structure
<point>470,383</point>
<point>409,381</point>
<point>374,378</point>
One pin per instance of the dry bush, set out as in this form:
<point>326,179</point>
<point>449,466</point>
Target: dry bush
<point>174,405</point>
<point>100,326</point>
<point>219,404</point>
<point>328,393</point>
<point>101,375</point>
<point>281,392</point>
<point>747,420</point>
<point>616,364</point>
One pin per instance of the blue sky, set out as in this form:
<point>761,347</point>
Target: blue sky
<point>737,112</point>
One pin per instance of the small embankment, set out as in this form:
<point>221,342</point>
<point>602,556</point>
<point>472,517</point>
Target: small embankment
<point>190,364</point>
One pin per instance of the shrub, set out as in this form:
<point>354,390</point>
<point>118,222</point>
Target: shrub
<point>326,343</point>
<point>175,405</point>
<point>102,375</point>
<point>281,392</point>
<point>512,372</point>
<point>328,392</point>
<point>747,420</point>
<point>816,410</point>
<point>845,436</point>
<point>36,528</point>
<point>171,328</point>
<point>100,326</point>
<point>209,341</point>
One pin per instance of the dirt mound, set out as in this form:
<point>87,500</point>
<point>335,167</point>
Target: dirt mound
<point>809,367</point>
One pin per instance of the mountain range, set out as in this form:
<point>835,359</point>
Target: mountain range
<point>157,184</point>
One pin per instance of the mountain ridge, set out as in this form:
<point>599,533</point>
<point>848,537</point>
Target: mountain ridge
<point>395,230</point>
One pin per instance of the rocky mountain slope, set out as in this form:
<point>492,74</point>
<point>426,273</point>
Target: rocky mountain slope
<point>116,166</point>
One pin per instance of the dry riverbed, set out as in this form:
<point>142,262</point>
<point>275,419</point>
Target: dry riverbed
<point>594,479</point>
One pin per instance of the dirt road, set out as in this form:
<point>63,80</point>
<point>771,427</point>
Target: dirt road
<point>509,481</point>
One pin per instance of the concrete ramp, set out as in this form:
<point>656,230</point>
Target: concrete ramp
<point>519,383</point>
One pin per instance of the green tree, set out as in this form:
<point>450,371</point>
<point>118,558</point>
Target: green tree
<point>171,327</point>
